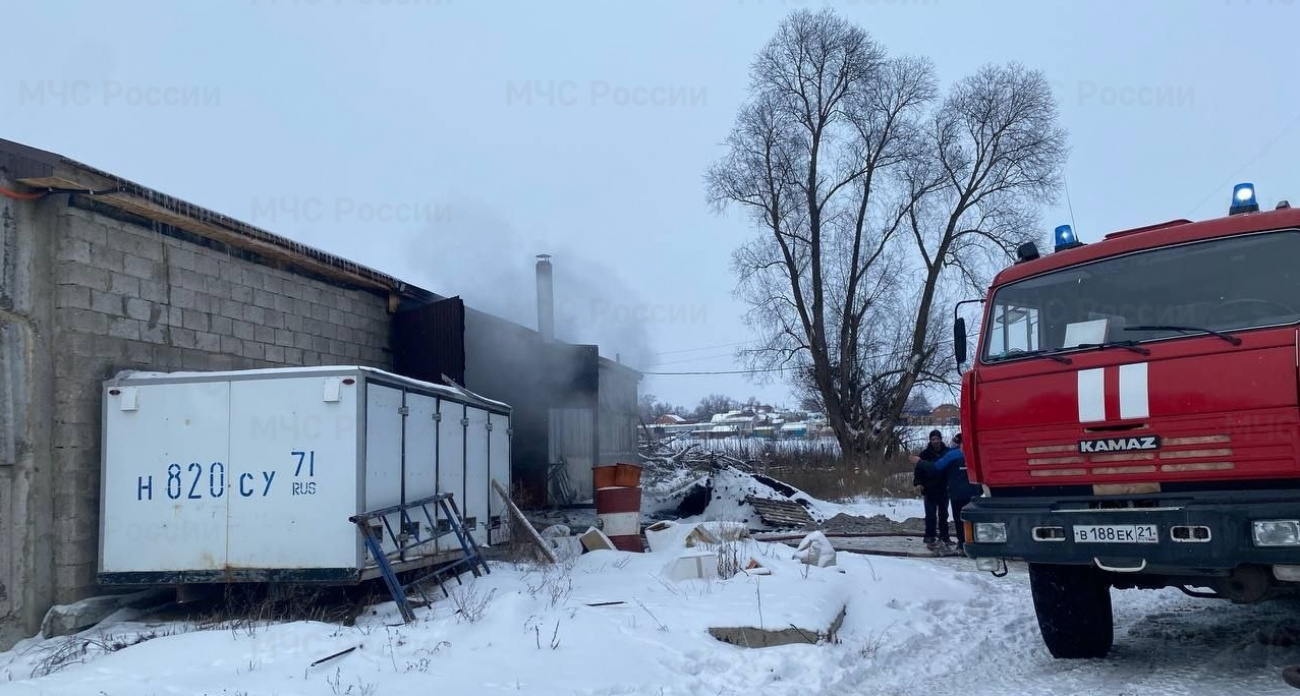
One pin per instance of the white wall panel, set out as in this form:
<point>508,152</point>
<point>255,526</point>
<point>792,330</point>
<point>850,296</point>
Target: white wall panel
<point>293,474</point>
<point>165,478</point>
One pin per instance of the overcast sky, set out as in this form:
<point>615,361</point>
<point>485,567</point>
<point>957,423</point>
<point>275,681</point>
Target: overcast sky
<point>449,142</point>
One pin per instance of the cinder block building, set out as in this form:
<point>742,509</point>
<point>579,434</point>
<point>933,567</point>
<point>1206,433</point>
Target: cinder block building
<point>99,274</point>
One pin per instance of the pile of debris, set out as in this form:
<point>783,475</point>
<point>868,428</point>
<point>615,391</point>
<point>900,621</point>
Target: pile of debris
<point>660,461</point>
<point>691,484</point>
<point>695,483</point>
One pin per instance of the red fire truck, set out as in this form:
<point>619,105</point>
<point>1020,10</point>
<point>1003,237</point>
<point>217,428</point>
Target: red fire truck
<point>1133,413</point>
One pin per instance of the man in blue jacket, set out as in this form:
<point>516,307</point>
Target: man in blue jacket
<point>952,466</point>
<point>932,484</point>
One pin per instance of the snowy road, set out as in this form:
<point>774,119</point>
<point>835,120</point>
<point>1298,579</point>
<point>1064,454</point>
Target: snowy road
<point>1166,643</point>
<point>932,626</point>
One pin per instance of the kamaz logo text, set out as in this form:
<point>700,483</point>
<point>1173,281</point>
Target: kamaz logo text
<point>1120,444</point>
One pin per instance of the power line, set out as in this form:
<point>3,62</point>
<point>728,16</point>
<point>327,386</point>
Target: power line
<point>696,350</point>
<point>721,372</point>
<point>1267,147</point>
<point>696,359</point>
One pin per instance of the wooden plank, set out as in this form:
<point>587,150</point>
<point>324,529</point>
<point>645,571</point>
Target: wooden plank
<point>522,523</point>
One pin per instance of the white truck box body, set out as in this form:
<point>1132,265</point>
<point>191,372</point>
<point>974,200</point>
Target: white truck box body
<point>253,475</point>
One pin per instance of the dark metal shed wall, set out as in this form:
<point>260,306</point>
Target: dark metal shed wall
<point>428,341</point>
<point>618,415</point>
<point>566,401</point>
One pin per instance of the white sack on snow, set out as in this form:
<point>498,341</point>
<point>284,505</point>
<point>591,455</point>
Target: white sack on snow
<point>694,565</point>
<point>595,540</point>
<point>562,542</point>
<point>816,550</point>
<point>566,547</point>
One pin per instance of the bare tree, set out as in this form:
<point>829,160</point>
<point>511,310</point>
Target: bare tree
<point>811,156</point>
<point>918,404</point>
<point>866,192</point>
<point>712,405</point>
<point>651,408</point>
<point>995,156</point>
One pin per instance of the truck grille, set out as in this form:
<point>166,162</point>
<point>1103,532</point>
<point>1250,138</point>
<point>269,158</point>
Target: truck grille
<point>1046,461</point>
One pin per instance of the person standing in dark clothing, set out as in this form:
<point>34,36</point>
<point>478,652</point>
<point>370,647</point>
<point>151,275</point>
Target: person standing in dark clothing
<point>952,466</point>
<point>932,484</point>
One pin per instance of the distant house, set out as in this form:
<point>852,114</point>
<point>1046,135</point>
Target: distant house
<point>945,414</point>
<point>761,422</point>
<point>721,432</point>
<point>738,422</point>
<point>794,430</point>
<point>672,425</point>
<point>915,416</point>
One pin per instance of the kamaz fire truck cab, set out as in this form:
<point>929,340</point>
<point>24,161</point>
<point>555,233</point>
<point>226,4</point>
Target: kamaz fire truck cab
<point>1133,411</point>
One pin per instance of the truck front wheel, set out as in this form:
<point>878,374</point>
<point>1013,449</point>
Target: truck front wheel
<point>1073,608</point>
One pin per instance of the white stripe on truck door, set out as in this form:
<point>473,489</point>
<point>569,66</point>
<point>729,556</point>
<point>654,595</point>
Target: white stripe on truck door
<point>1092,395</point>
<point>1133,399</point>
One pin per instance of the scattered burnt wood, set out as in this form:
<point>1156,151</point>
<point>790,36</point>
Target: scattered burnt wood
<point>660,458</point>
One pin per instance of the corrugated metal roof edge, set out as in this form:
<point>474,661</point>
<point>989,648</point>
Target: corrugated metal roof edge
<point>201,214</point>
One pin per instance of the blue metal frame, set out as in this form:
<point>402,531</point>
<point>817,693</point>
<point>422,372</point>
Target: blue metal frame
<point>472,561</point>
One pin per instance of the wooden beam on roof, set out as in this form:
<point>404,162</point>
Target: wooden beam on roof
<point>152,211</point>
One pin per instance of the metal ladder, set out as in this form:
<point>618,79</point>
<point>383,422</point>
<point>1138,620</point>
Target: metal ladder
<point>410,536</point>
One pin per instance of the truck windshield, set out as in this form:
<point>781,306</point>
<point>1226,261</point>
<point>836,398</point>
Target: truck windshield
<point>1222,285</point>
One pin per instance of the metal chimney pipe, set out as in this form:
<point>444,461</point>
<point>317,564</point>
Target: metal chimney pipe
<point>545,298</point>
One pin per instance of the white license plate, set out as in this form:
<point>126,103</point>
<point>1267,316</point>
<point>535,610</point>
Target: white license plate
<point>1117,534</point>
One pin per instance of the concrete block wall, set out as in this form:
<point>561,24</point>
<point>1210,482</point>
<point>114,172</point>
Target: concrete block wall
<point>129,296</point>
<point>26,417</point>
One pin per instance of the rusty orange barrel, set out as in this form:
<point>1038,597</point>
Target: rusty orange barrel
<point>619,512</point>
<point>605,476</point>
<point>626,475</point>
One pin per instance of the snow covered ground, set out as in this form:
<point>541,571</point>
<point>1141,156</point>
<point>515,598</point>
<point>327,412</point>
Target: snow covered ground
<point>896,509</point>
<point>912,627</point>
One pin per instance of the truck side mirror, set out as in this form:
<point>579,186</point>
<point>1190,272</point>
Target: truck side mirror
<point>959,340</point>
